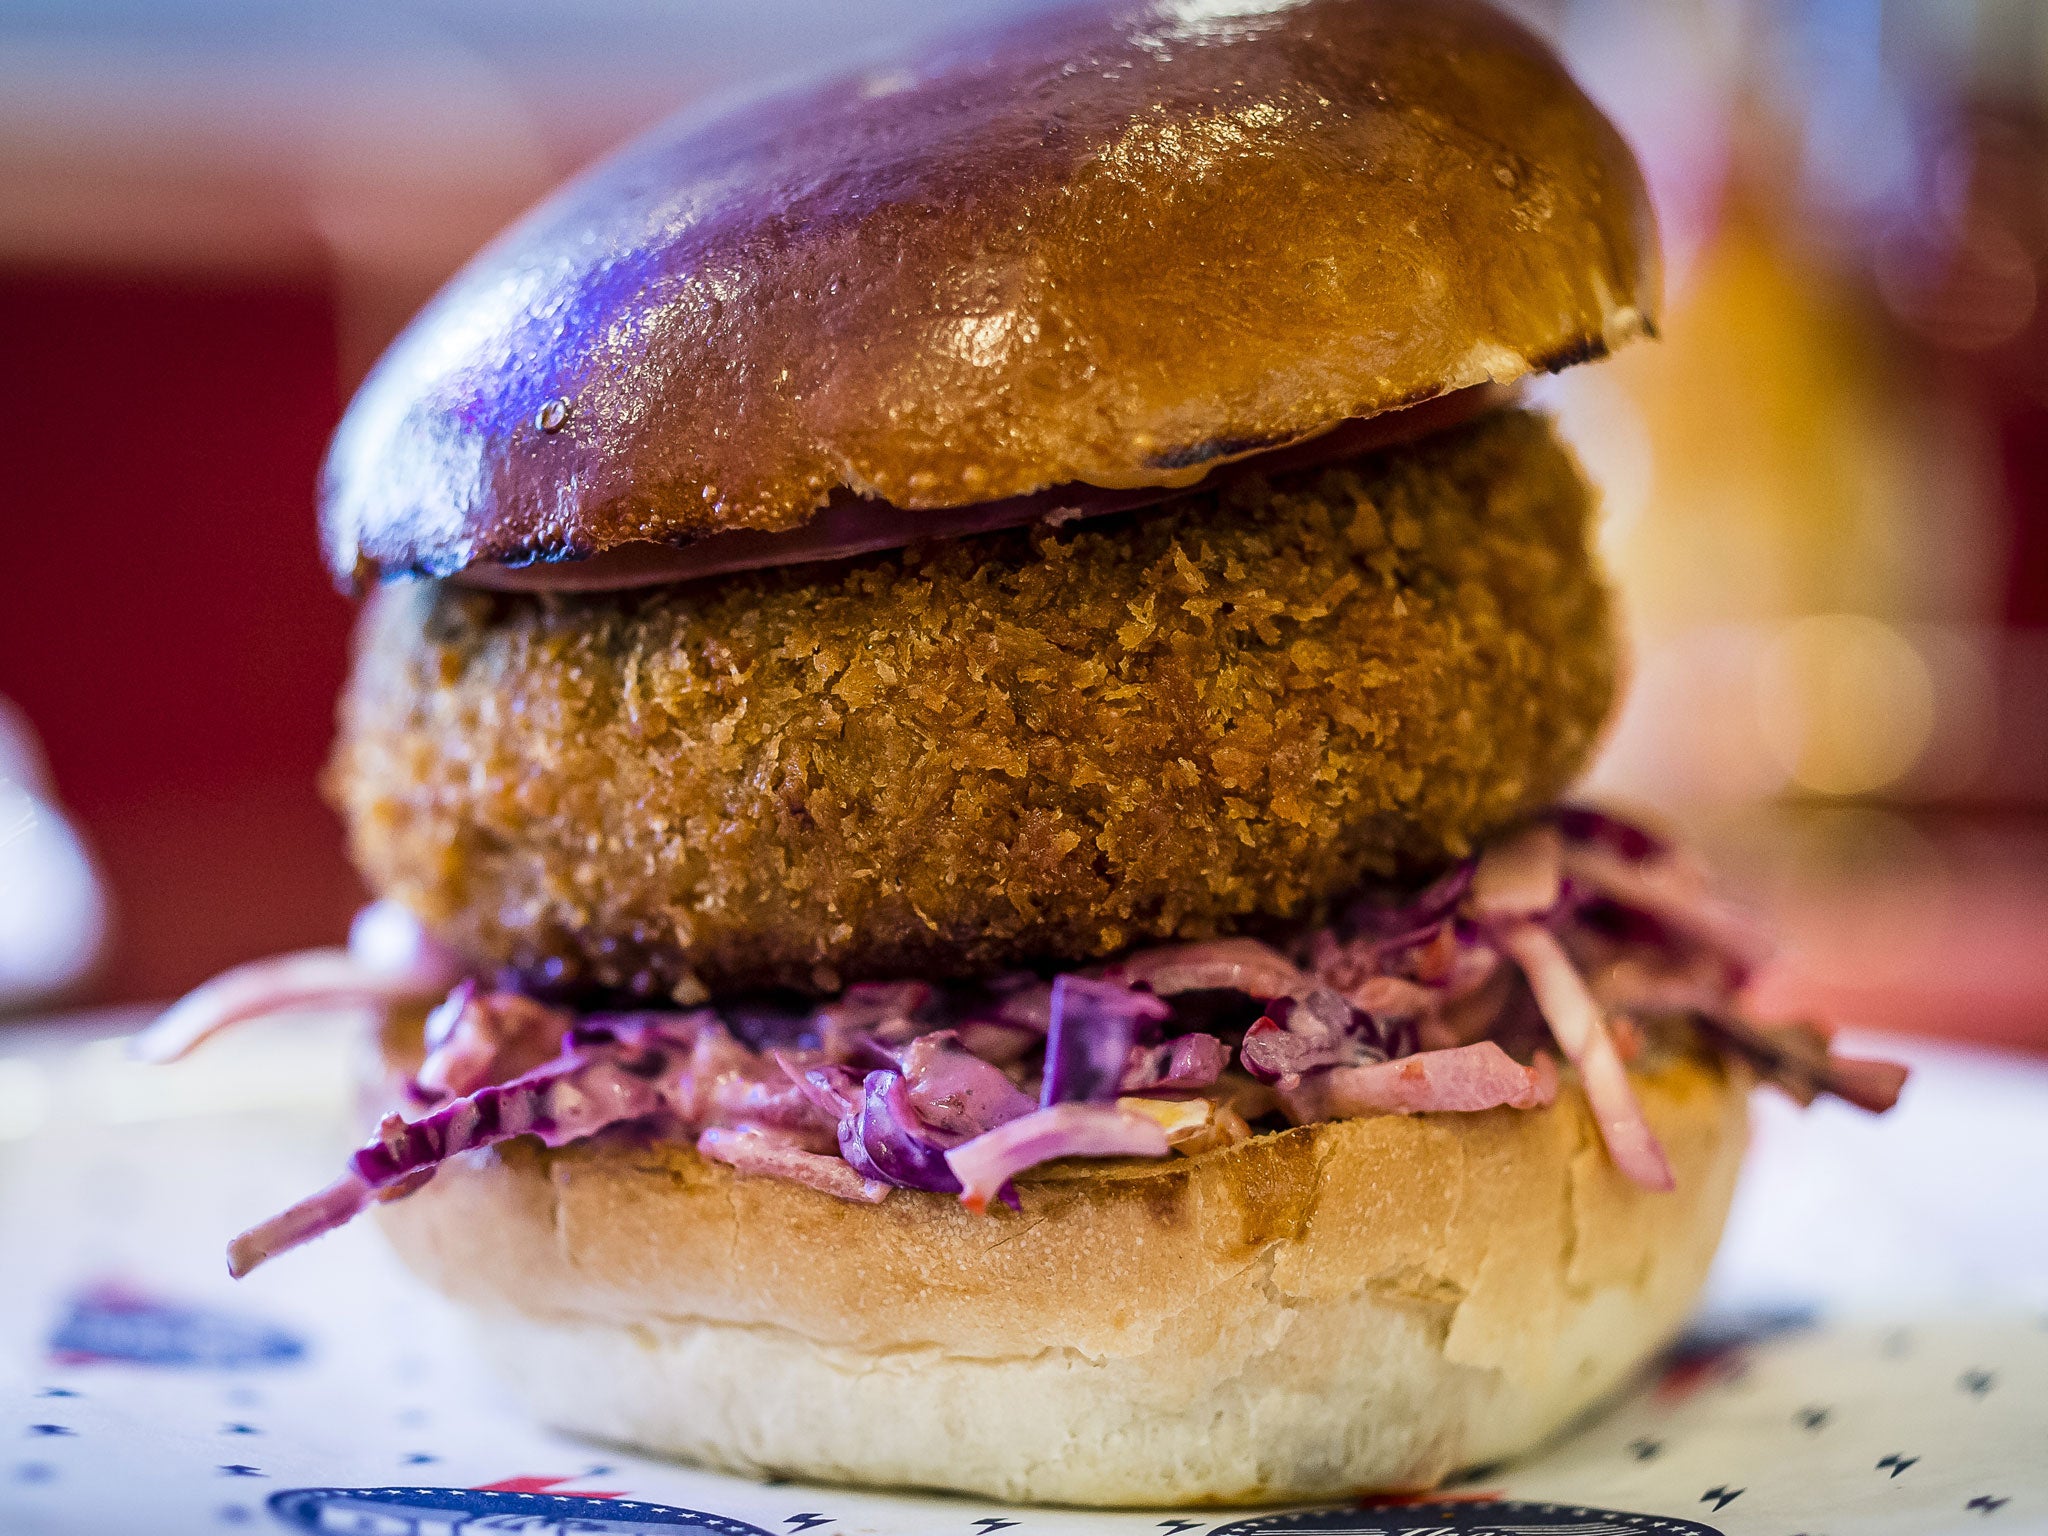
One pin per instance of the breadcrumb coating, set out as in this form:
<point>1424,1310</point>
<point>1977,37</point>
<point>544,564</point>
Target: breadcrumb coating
<point>1027,747</point>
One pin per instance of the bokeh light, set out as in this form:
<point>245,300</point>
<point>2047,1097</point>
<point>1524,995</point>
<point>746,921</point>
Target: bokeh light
<point>1845,703</point>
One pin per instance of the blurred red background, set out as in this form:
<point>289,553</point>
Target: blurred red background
<point>164,621</point>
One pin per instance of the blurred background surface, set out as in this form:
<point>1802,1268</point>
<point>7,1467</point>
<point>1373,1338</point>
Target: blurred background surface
<point>1826,490</point>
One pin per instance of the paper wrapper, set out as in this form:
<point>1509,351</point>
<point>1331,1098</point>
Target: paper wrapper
<point>1872,1355</point>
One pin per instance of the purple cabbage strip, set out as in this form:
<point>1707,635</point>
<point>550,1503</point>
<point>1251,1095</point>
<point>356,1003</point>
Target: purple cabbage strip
<point>575,1095</point>
<point>1298,1036</point>
<point>1413,918</point>
<point>766,1024</point>
<point>647,1031</point>
<point>872,1004</point>
<point>986,1164</point>
<point>1239,965</point>
<point>1584,824</point>
<point>955,1091</point>
<point>869,1017</point>
<point>1000,1045</point>
<point>834,1091</point>
<point>883,1139</point>
<point>862,1050</point>
<point>322,1212</point>
<point>1182,1064</point>
<point>1095,1025</point>
<point>1619,923</point>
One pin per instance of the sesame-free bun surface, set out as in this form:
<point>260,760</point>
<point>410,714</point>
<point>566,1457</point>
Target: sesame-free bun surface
<point>1358,1305</point>
<point>1113,245</point>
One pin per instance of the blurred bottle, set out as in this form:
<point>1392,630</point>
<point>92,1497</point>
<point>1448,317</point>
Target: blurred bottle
<point>53,909</point>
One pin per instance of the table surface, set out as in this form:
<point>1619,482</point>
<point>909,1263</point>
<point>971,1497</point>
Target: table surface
<point>1871,1356</point>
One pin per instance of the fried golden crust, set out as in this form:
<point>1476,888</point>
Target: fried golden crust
<point>1009,749</point>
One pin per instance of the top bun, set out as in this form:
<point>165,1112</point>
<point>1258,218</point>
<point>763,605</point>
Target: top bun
<point>1106,246</point>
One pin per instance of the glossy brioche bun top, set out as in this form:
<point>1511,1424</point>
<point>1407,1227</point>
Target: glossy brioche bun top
<point>1111,246</point>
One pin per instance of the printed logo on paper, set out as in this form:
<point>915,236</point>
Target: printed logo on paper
<point>1492,1517</point>
<point>455,1511</point>
<point>107,1324</point>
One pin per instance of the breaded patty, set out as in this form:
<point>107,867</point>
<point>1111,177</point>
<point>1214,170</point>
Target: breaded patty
<point>1213,715</point>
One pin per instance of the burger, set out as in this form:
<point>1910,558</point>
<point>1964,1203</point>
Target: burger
<point>959,730</point>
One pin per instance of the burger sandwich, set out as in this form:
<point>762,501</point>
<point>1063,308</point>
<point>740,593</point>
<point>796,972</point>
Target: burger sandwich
<point>959,730</point>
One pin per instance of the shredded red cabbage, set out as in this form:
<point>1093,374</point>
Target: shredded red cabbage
<point>955,1091</point>
<point>761,1153</point>
<point>986,1164</point>
<point>474,1038</point>
<point>1385,918</point>
<point>1463,1078</point>
<point>1797,1058</point>
<point>1095,1026</point>
<point>1307,1024</point>
<point>1180,1065</point>
<point>390,960</point>
<point>1427,1001</point>
<point>886,1140</point>
<point>1588,826</point>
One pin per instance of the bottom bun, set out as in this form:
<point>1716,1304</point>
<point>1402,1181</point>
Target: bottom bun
<point>1361,1305</point>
